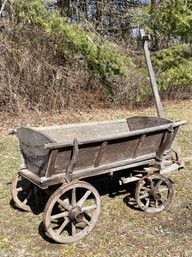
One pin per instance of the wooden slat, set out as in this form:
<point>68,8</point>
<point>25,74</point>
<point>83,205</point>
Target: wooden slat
<point>73,161</point>
<point>109,168</point>
<point>139,142</point>
<point>115,164</point>
<point>51,163</point>
<point>100,153</point>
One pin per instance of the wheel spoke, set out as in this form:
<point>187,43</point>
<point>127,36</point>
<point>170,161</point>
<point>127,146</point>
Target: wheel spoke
<point>147,203</point>
<point>64,224</point>
<point>64,203</point>
<point>156,204</point>
<point>151,183</point>
<point>158,183</point>
<point>91,207</point>
<point>145,188</point>
<point>28,196</point>
<point>59,215</point>
<point>19,189</point>
<point>73,197</point>
<point>144,196</point>
<point>81,202</point>
<point>163,189</point>
<point>86,221</point>
<point>73,229</point>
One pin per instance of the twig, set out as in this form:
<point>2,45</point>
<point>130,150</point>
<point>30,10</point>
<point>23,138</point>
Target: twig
<point>2,7</point>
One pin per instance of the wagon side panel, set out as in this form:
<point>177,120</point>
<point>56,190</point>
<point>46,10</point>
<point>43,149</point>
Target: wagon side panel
<point>31,144</point>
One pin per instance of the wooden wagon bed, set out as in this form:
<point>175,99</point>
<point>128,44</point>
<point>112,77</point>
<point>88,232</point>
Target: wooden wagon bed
<point>77,151</point>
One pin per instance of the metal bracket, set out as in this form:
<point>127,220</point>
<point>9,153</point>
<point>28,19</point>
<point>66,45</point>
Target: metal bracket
<point>145,38</point>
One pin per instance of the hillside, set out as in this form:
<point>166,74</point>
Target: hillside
<point>58,57</point>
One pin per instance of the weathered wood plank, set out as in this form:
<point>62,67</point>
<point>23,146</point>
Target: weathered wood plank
<point>114,136</point>
<point>73,161</point>
<point>115,164</point>
<point>51,163</point>
<point>100,153</point>
<point>142,122</point>
<point>151,74</point>
<point>138,144</point>
<point>128,164</point>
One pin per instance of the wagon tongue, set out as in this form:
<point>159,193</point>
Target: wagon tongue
<point>154,87</point>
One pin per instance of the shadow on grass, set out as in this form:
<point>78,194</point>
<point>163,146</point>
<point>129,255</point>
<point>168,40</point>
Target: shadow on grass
<point>34,210</point>
<point>43,234</point>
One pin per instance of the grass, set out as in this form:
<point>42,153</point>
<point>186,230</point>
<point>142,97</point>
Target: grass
<point>121,231</point>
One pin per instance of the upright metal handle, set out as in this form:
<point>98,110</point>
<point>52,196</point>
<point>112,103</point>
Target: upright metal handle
<point>155,91</point>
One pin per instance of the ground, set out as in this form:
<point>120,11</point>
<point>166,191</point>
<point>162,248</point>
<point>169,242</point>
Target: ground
<point>122,229</point>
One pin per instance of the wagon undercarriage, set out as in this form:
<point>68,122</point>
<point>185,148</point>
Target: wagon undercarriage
<point>73,208</point>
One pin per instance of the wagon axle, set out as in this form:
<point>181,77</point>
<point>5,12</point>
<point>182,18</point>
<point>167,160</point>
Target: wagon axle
<point>76,214</point>
<point>155,194</point>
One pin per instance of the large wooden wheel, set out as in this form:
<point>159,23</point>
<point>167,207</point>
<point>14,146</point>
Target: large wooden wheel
<point>153,193</point>
<point>72,212</point>
<point>24,193</point>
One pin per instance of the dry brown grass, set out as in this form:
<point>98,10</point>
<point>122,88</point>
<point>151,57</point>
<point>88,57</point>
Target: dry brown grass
<point>37,75</point>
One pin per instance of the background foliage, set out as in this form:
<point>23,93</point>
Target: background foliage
<point>76,54</point>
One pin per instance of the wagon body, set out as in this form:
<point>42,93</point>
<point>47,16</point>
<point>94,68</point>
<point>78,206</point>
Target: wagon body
<point>56,154</point>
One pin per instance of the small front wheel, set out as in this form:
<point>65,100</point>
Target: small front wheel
<point>153,193</point>
<point>72,212</point>
<point>24,193</point>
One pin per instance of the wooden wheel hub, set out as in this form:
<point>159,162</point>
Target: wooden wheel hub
<point>76,214</point>
<point>155,194</point>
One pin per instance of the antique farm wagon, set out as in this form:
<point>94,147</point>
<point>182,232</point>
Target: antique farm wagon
<point>60,160</point>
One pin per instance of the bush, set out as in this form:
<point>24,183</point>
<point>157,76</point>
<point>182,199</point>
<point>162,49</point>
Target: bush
<point>175,66</point>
